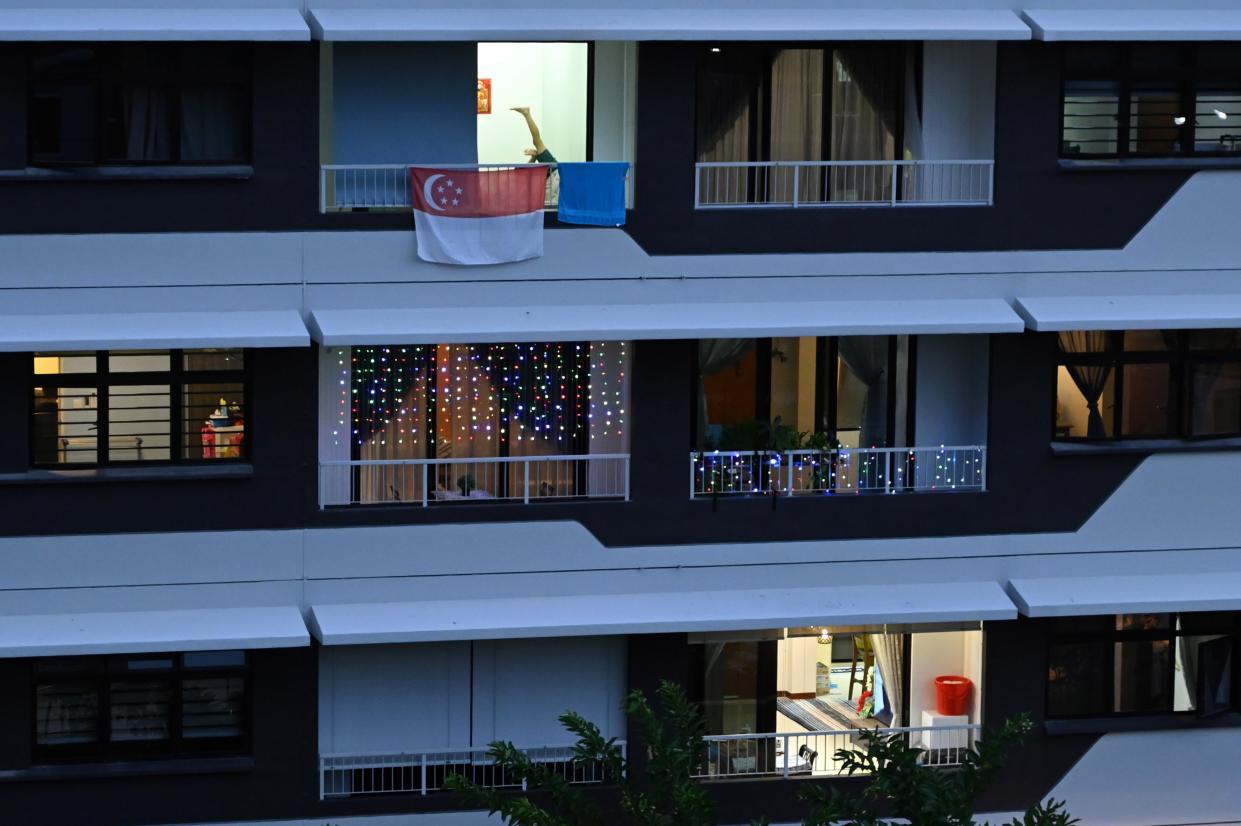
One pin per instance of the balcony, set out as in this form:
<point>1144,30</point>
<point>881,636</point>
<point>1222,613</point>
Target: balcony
<point>380,187</point>
<point>813,753</point>
<point>349,775</point>
<point>807,184</point>
<point>873,470</point>
<point>427,482</point>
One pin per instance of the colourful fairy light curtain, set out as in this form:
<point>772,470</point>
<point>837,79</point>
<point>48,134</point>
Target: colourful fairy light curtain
<point>487,400</point>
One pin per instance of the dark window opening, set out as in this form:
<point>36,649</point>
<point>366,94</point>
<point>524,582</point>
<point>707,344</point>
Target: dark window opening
<point>1148,384</point>
<point>1151,100</point>
<point>127,407</point>
<point>127,707</point>
<point>1142,664</point>
<point>140,104</point>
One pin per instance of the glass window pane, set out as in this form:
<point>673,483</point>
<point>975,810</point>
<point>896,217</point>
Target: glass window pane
<point>66,713</point>
<point>1214,339</point>
<point>864,91</point>
<point>1091,118</point>
<point>1149,340</point>
<point>1085,401</point>
<point>214,659</point>
<point>730,687</point>
<point>214,420</point>
<point>862,391</point>
<point>140,710</point>
<point>47,364</point>
<point>139,422</point>
<point>1143,622</point>
<point>139,361</point>
<point>1192,674</point>
<point>213,359</point>
<point>213,123</point>
<point>1217,121</point>
<point>1077,683</point>
<point>792,390</point>
<point>728,395</point>
<point>65,428</point>
<point>1215,398</point>
<point>1155,121</point>
<point>1085,341</point>
<point>1142,670</point>
<point>1146,402</point>
<point>212,707</point>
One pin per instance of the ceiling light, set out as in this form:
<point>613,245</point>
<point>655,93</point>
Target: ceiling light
<point>1221,115</point>
<point>715,49</point>
<point>1179,120</point>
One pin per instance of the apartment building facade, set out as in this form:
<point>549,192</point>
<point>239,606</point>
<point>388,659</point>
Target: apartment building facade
<point>916,356</point>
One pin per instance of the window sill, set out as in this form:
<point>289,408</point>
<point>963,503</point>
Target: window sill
<point>1153,722</point>
<point>1086,448</point>
<point>1156,164</point>
<point>129,474</point>
<point>129,173</point>
<point>136,768</point>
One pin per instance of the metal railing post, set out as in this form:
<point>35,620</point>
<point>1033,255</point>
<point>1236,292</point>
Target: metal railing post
<point>525,490</point>
<point>697,186</point>
<point>787,756</point>
<point>425,484</point>
<point>982,457</point>
<point>322,486</point>
<point>625,466</point>
<point>322,772</point>
<point>991,183</point>
<point>322,190</point>
<point>790,488</point>
<point>424,774</point>
<point>895,173</point>
<point>796,182</point>
<point>887,474</point>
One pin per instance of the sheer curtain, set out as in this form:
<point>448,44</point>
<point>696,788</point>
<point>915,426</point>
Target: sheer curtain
<point>864,119</point>
<point>797,122</point>
<point>724,124</point>
<point>890,657</point>
<point>148,136</point>
<point>1091,379</point>
<point>211,125</point>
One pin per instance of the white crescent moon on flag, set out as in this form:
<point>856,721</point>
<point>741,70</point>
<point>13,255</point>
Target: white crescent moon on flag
<point>426,192</point>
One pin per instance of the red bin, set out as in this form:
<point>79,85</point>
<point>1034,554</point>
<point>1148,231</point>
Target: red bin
<point>952,694</point>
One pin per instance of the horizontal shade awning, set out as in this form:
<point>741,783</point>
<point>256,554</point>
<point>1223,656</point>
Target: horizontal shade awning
<point>463,325</point>
<point>650,613</point>
<point>136,331</point>
<point>135,632</point>
<point>668,22</point>
<point>1132,312</point>
<point>87,23</point>
<point>1135,24</point>
<point>1150,594</point>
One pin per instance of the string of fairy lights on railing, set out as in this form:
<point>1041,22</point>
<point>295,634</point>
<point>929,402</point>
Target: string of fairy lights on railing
<point>553,392</point>
<point>846,470</point>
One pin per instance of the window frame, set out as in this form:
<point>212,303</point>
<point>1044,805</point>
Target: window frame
<point>176,378</point>
<point>1179,356</point>
<point>1109,637</point>
<point>101,674</point>
<point>1188,76</point>
<point>107,72</point>
<point>826,380</point>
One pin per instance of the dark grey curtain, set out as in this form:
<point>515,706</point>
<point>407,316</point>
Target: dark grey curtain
<point>148,133</point>
<point>867,358</point>
<point>1090,379</point>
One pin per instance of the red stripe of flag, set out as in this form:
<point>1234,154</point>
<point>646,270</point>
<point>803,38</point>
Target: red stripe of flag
<point>472,193</point>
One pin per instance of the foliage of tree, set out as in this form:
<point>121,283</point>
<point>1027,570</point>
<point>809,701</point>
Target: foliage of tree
<point>901,784</point>
<point>671,733</point>
<point>904,786</point>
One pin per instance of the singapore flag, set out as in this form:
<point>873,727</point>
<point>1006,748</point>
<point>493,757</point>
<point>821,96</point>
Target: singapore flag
<point>468,216</point>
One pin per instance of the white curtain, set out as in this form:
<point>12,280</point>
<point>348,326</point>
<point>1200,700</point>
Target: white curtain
<point>714,354</point>
<point>863,123</point>
<point>147,133</point>
<point>797,122</point>
<point>890,657</point>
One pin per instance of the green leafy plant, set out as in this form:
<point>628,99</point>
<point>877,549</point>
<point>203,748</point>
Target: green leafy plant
<point>904,787</point>
<point>671,736</point>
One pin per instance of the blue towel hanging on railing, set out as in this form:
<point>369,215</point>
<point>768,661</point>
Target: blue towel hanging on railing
<point>593,193</point>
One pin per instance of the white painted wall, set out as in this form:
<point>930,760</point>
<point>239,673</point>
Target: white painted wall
<point>939,654</point>
<point>550,78</point>
<point>958,100</point>
<point>952,389</point>
<point>796,664</point>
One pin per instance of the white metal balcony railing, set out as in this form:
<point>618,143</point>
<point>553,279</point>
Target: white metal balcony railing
<point>724,185</point>
<point>345,775</point>
<point>348,187</point>
<point>513,479</point>
<point>813,753</point>
<point>840,471</point>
